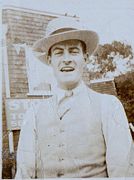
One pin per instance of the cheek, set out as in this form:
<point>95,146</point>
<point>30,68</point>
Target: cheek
<point>54,68</point>
<point>81,64</point>
<point>54,64</point>
<point>56,71</point>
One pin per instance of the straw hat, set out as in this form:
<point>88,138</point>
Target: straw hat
<point>61,29</point>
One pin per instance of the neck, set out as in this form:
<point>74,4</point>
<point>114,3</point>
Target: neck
<point>69,86</point>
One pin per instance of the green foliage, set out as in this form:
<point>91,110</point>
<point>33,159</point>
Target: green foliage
<point>123,49</point>
<point>117,47</point>
<point>105,54</point>
<point>125,90</point>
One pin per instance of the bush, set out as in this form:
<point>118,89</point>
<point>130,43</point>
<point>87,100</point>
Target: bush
<point>125,90</point>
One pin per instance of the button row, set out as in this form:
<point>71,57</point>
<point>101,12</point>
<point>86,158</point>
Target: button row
<point>60,145</point>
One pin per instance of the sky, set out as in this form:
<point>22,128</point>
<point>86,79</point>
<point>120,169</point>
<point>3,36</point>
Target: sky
<point>112,19</point>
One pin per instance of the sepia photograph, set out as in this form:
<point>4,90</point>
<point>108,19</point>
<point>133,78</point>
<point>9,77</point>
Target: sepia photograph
<point>67,89</point>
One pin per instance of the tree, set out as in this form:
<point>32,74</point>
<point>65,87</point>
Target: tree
<point>112,59</point>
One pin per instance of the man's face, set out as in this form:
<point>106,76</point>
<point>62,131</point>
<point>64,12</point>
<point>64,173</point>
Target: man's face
<point>67,60</point>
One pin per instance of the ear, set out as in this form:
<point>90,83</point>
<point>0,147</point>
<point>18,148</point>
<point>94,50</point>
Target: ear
<point>49,60</point>
<point>86,58</point>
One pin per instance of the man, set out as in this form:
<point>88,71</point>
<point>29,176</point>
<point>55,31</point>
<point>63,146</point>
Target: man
<point>77,132</point>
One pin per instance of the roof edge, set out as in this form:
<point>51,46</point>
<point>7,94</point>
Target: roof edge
<point>34,11</point>
<point>102,80</point>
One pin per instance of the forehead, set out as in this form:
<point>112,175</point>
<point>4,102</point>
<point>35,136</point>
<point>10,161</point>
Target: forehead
<point>67,43</point>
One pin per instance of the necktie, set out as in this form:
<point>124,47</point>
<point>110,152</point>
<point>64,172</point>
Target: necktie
<point>64,104</point>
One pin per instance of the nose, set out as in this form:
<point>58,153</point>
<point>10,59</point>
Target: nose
<point>67,59</point>
<point>67,62</point>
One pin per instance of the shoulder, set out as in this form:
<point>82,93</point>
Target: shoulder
<point>109,104</point>
<point>103,98</point>
<point>111,108</point>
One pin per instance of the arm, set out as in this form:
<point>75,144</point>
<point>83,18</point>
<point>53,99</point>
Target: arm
<point>26,148</point>
<point>117,138</point>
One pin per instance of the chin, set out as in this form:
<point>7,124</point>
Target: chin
<point>68,80</point>
<point>69,84</point>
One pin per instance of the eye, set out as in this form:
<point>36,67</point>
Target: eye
<point>74,51</point>
<point>58,52</point>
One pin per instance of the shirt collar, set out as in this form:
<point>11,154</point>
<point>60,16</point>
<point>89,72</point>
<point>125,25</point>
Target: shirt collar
<point>60,93</point>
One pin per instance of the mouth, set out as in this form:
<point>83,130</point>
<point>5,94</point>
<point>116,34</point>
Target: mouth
<point>67,69</point>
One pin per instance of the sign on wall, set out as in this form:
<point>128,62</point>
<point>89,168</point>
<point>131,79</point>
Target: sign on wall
<point>16,110</point>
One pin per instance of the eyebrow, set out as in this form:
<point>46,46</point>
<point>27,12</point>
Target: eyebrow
<point>70,48</point>
<point>57,48</point>
<point>74,47</point>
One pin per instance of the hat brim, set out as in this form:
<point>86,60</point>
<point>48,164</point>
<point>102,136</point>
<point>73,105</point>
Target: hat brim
<point>42,46</point>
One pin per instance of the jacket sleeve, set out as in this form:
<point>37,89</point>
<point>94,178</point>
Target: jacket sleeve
<point>26,148</point>
<point>119,145</point>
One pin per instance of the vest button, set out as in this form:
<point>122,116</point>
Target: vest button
<point>61,159</point>
<point>61,145</point>
<point>60,174</point>
<point>61,130</point>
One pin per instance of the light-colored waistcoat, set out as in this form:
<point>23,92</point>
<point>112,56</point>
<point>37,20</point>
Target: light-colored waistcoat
<point>73,146</point>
